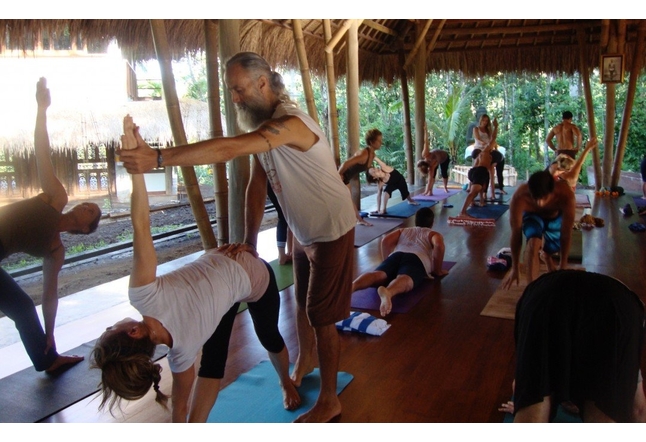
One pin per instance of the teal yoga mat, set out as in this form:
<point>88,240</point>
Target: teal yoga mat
<point>404,210</point>
<point>490,211</point>
<point>255,397</point>
<point>284,274</point>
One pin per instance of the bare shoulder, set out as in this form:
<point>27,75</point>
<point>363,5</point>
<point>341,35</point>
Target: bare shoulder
<point>289,130</point>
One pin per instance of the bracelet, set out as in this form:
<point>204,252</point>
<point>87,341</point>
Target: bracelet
<point>160,159</point>
<point>250,244</point>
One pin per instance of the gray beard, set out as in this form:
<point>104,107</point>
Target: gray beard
<point>251,119</point>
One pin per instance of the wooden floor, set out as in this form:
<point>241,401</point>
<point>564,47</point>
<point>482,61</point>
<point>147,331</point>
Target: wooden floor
<point>440,362</point>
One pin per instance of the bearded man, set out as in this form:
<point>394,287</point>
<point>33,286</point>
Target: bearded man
<point>292,153</point>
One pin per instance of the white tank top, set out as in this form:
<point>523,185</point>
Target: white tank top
<point>415,240</point>
<point>317,205</point>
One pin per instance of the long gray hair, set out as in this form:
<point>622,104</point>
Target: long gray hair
<point>257,66</point>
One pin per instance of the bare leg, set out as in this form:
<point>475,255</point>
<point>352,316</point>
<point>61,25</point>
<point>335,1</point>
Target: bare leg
<point>205,393</point>
<point>639,404</point>
<point>572,175</point>
<point>369,279</point>
<point>492,180</point>
<point>399,285</point>
<point>475,189</point>
<point>280,361</point>
<point>327,405</point>
<point>547,259</point>
<point>539,412</point>
<point>592,414</point>
<point>386,197</point>
<point>532,260</point>
<point>306,360</point>
<point>446,184</point>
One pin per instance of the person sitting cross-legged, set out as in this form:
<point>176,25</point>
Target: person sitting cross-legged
<point>410,255</point>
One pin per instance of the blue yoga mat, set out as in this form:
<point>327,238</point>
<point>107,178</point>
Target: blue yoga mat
<point>490,211</point>
<point>404,210</point>
<point>256,397</point>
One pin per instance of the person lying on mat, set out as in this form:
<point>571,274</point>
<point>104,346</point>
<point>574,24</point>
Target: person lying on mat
<point>566,169</point>
<point>409,256</point>
<point>428,165</point>
<point>33,226</point>
<point>479,174</point>
<point>361,162</point>
<point>590,328</point>
<point>543,210</point>
<point>190,308</point>
<point>390,178</point>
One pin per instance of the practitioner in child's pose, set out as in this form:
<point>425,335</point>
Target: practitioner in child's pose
<point>390,178</point>
<point>33,226</point>
<point>410,255</point>
<point>187,309</point>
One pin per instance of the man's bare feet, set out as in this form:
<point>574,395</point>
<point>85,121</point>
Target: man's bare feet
<point>363,222</point>
<point>321,412</point>
<point>413,203</point>
<point>547,259</point>
<point>63,360</point>
<point>386,303</point>
<point>291,398</point>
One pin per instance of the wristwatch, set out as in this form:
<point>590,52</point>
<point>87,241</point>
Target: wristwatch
<point>160,159</point>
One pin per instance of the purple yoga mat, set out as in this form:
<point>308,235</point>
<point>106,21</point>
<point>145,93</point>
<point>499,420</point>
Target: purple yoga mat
<point>438,195</point>
<point>364,234</point>
<point>368,299</point>
<point>582,200</point>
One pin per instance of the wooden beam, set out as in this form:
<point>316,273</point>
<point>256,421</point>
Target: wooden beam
<point>160,40</point>
<point>220,182</point>
<point>341,32</point>
<point>331,94</point>
<point>421,36</point>
<point>353,103</point>
<point>381,28</point>
<point>305,69</point>
<point>520,29</point>
<point>436,35</point>
<point>239,168</point>
<point>638,58</point>
<point>587,91</point>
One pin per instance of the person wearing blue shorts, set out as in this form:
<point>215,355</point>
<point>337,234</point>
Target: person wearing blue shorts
<point>543,210</point>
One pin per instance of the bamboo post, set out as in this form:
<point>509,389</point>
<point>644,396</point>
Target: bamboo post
<point>638,59</point>
<point>609,132</point>
<point>408,142</point>
<point>587,90</point>
<point>331,94</point>
<point>160,41</point>
<point>420,102</point>
<point>329,47</point>
<point>219,169</point>
<point>239,168</point>
<point>305,69</point>
<point>353,104</point>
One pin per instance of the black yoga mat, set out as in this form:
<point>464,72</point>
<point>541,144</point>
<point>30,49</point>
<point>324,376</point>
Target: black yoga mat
<point>31,396</point>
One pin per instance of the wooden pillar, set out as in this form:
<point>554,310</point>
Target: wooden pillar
<point>160,40</point>
<point>305,69</point>
<point>331,95</point>
<point>408,141</point>
<point>353,104</point>
<point>220,184</point>
<point>420,100</point>
<point>638,58</point>
<point>609,129</point>
<point>587,90</point>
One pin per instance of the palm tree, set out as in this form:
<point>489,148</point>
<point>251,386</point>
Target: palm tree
<point>446,125</point>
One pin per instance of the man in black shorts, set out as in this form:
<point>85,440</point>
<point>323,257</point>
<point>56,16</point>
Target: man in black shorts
<point>578,338</point>
<point>479,178</point>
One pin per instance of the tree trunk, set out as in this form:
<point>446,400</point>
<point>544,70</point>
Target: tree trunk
<point>160,40</point>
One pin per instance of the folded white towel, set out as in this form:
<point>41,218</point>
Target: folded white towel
<point>363,323</point>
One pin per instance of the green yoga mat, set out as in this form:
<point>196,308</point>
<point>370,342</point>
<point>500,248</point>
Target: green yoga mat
<point>284,274</point>
<point>255,397</point>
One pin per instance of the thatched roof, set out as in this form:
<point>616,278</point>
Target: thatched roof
<point>71,126</point>
<point>475,47</point>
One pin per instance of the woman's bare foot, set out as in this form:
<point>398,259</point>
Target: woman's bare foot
<point>291,398</point>
<point>63,360</point>
<point>386,303</point>
<point>413,202</point>
<point>322,411</point>
<point>363,222</point>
